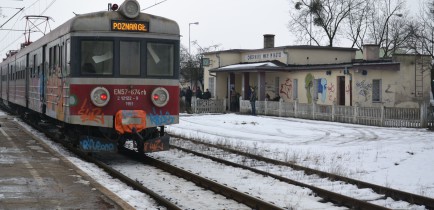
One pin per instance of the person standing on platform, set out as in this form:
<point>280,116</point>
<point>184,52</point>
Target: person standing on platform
<point>253,100</point>
<point>188,95</point>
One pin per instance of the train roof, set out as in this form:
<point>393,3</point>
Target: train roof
<point>101,22</point>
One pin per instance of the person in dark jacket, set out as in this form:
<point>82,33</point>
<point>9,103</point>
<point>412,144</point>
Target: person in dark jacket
<point>188,95</point>
<point>206,94</point>
<point>253,100</point>
<point>233,105</point>
<point>198,93</point>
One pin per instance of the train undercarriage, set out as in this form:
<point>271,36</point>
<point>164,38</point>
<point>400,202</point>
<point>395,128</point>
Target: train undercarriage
<point>92,139</point>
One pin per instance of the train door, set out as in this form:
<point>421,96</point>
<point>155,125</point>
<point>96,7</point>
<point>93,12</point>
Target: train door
<point>42,68</point>
<point>341,90</point>
<point>1,83</point>
<point>8,84</point>
<point>26,76</point>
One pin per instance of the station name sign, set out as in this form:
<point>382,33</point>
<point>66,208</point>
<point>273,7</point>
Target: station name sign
<point>264,56</point>
<point>133,26</point>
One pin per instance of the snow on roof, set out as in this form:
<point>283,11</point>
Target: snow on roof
<point>249,65</point>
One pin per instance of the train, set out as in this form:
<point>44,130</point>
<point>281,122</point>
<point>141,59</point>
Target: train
<point>104,78</point>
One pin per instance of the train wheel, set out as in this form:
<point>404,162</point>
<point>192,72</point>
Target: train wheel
<point>140,142</point>
<point>140,146</point>
<point>121,142</point>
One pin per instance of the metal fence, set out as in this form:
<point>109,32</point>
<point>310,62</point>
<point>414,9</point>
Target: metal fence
<point>422,117</point>
<point>208,105</point>
<point>430,118</point>
<point>375,116</point>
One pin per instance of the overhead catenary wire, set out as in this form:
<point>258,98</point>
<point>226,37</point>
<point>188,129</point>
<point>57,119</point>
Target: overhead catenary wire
<point>154,5</point>
<point>22,11</point>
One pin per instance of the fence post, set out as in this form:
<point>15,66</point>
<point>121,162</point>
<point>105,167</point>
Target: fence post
<point>423,115</point>
<point>195,104</point>
<point>356,114</point>
<point>313,109</point>
<point>265,107</point>
<point>280,107</point>
<point>224,105</point>
<point>296,108</point>
<point>333,112</point>
<point>382,117</point>
<point>240,99</point>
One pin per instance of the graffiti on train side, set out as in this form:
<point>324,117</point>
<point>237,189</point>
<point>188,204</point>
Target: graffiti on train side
<point>158,118</point>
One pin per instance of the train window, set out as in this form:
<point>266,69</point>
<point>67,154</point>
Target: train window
<point>97,57</point>
<point>55,56</point>
<point>160,59</point>
<point>130,58</point>
<point>67,57</point>
<point>35,60</point>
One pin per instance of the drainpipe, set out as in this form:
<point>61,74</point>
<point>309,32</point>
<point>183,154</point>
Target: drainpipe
<point>287,56</point>
<point>218,56</point>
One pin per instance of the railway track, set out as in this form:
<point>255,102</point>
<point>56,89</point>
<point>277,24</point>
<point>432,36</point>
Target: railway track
<point>253,202</point>
<point>241,197</point>
<point>380,193</point>
<point>53,133</point>
<point>228,192</point>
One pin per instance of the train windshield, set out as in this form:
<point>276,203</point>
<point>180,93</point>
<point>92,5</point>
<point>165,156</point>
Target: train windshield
<point>97,57</point>
<point>127,58</point>
<point>160,59</point>
<point>130,59</point>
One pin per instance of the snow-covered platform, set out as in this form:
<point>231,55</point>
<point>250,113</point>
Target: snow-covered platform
<point>33,176</point>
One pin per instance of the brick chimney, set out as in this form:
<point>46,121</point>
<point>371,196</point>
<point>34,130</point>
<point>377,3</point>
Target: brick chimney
<point>268,41</point>
<point>371,52</point>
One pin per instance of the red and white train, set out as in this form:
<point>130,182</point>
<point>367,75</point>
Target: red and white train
<point>103,77</point>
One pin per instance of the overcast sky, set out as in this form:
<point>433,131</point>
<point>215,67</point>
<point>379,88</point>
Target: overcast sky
<point>233,24</point>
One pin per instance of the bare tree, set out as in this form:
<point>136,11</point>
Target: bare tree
<point>358,24</point>
<point>320,19</point>
<point>425,33</point>
<point>386,22</point>
<point>191,69</point>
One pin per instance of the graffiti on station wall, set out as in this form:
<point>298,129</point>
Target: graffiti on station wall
<point>322,88</point>
<point>331,91</point>
<point>348,89</point>
<point>286,89</point>
<point>388,90</point>
<point>388,95</point>
<point>309,86</point>
<point>365,89</point>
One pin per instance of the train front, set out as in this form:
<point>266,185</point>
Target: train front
<point>124,82</point>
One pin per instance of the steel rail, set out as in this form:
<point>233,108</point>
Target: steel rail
<point>254,203</point>
<point>388,192</point>
<point>325,194</point>
<point>112,172</point>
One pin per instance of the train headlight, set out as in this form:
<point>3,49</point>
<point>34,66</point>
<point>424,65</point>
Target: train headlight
<point>160,97</point>
<point>100,96</point>
<point>130,9</point>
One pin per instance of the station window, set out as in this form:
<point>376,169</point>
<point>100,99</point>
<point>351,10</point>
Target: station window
<point>96,57</point>
<point>130,58</point>
<point>376,90</point>
<point>160,59</point>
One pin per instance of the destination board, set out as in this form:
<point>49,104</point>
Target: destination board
<point>133,26</point>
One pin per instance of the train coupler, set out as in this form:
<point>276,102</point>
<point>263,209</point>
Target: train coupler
<point>156,144</point>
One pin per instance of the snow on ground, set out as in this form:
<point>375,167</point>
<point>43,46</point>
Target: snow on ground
<point>395,157</point>
<point>400,158</point>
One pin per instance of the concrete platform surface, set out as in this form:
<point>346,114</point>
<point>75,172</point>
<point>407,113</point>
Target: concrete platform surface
<point>33,176</point>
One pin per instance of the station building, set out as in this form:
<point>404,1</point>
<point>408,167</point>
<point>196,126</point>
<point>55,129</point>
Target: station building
<point>322,75</point>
